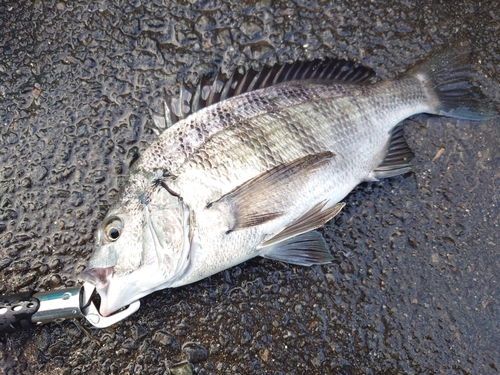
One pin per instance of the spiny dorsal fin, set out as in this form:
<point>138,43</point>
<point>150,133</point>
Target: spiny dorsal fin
<point>254,202</point>
<point>304,250</point>
<point>213,90</point>
<point>398,157</point>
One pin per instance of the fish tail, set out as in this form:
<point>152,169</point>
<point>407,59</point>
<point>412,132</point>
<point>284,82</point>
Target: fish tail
<point>448,79</point>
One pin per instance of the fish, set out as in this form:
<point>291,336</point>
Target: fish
<point>252,164</point>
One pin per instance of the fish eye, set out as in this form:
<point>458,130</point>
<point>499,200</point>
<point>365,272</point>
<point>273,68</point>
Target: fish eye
<point>113,229</point>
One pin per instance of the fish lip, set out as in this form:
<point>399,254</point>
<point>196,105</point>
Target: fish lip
<point>99,277</point>
<point>104,311</point>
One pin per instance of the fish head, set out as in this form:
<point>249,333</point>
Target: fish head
<point>142,246</point>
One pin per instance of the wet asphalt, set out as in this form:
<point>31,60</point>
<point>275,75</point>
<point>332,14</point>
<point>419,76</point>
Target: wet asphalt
<point>415,284</point>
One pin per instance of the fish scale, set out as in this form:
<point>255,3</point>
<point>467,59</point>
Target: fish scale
<point>255,174</point>
<point>241,151</point>
<point>187,134</point>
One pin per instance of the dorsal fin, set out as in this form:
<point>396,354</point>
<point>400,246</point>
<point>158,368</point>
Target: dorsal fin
<point>213,90</point>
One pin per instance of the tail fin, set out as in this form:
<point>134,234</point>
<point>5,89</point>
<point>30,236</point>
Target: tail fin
<point>448,77</point>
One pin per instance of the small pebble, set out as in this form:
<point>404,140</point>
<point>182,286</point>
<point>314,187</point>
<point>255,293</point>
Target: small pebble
<point>194,352</point>
<point>183,368</point>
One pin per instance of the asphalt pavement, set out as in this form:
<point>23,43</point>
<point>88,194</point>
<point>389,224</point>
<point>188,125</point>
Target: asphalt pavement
<point>414,287</point>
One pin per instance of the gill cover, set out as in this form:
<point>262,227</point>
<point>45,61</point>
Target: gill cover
<point>142,246</point>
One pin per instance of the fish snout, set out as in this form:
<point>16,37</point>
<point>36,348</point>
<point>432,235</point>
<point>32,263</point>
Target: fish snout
<point>98,276</point>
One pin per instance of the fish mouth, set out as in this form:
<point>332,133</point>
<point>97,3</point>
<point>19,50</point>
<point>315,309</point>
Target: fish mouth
<point>100,278</point>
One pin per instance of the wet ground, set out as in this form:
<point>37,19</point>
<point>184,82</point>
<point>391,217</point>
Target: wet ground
<point>414,287</point>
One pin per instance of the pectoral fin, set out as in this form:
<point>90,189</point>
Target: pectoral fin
<point>260,199</point>
<point>304,250</point>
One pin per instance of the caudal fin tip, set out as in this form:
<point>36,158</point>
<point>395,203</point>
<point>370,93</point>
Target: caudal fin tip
<point>448,77</point>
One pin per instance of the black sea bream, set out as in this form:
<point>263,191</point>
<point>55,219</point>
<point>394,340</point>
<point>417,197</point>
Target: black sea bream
<point>264,160</point>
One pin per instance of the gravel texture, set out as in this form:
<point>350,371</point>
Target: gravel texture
<point>415,284</point>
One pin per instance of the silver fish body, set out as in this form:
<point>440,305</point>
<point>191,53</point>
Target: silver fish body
<point>273,128</point>
<point>255,174</point>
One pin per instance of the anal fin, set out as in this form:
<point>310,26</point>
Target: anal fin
<point>304,250</point>
<point>397,159</point>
